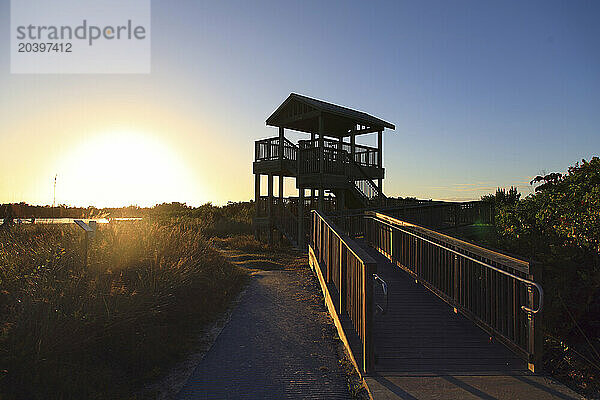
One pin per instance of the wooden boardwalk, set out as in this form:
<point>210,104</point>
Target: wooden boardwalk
<point>424,350</point>
<point>421,334</point>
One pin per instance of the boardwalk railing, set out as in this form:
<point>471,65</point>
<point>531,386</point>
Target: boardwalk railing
<point>433,215</point>
<point>496,291</point>
<point>444,215</point>
<point>347,274</point>
<point>291,203</point>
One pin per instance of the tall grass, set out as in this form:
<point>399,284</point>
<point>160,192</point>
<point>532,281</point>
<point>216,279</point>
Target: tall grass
<point>71,332</point>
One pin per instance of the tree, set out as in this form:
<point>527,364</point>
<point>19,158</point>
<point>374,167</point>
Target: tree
<point>503,197</point>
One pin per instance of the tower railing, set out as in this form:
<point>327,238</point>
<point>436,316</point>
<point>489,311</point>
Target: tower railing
<point>270,149</point>
<point>363,155</point>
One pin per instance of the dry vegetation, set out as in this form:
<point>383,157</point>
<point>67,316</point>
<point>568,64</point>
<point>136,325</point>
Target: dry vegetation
<point>102,331</point>
<point>150,288</point>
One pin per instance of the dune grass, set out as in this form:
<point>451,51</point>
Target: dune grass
<point>103,331</point>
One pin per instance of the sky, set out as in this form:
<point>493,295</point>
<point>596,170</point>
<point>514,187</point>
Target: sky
<point>483,94</point>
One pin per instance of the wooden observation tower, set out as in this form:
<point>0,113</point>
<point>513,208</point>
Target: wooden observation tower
<point>332,172</point>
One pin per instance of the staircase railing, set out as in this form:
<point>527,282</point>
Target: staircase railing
<point>365,186</point>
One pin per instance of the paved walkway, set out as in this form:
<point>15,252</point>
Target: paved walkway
<point>279,344</point>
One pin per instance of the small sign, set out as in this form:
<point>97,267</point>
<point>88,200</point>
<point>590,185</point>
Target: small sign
<point>83,225</point>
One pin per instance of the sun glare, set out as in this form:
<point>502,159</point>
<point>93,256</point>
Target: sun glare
<point>123,168</point>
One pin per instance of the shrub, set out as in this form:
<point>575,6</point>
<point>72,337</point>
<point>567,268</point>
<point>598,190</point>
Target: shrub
<point>101,331</point>
<point>559,225</point>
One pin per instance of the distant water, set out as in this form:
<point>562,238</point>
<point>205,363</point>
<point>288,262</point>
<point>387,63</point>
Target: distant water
<point>69,220</point>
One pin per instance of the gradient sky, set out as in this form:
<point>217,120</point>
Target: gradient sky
<point>482,95</point>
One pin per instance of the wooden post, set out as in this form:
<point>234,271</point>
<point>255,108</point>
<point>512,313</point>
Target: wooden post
<point>456,282</point>
<point>281,150</point>
<point>392,245</point>
<point>313,138</point>
<point>341,201</point>
<point>256,201</point>
<point>321,160</point>
<point>270,207</point>
<point>281,140</point>
<point>301,218</point>
<point>321,205</point>
<point>352,151</point>
<point>257,193</point>
<point>280,192</point>
<point>86,245</point>
<point>380,158</point>
<point>343,288</point>
<point>340,153</point>
<point>353,144</point>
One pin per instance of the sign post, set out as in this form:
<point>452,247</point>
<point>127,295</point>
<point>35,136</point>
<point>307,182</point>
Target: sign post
<point>89,230</point>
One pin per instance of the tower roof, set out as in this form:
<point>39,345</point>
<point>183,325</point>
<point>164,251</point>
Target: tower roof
<point>301,113</point>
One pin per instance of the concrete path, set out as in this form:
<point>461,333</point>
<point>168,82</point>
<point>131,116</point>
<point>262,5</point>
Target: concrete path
<point>278,344</point>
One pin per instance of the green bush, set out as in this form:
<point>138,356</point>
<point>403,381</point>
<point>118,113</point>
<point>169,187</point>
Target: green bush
<point>559,226</point>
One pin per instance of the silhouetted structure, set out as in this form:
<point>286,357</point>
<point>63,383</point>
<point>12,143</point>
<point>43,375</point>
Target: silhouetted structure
<point>338,173</point>
<point>354,251</point>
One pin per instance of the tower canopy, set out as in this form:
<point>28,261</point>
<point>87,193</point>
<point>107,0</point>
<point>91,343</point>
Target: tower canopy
<point>302,113</point>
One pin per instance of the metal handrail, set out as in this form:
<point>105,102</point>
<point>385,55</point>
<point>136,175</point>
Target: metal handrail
<point>384,287</point>
<point>350,269</point>
<point>524,280</point>
<point>354,248</point>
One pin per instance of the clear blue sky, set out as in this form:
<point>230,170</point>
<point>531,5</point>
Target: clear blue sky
<point>482,94</point>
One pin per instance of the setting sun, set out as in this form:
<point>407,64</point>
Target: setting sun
<point>117,168</point>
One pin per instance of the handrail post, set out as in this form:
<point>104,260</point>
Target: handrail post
<point>456,283</point>
<point>535,336</point>
<point>343,269</point>
<point>416,268</point>
<point>368,353</point>
<point>327,258</point>
<point>391,245</point>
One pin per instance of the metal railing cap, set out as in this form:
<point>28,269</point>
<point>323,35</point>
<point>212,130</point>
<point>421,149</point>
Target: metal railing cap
<point>354,247</point>
<point>494,256</point>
